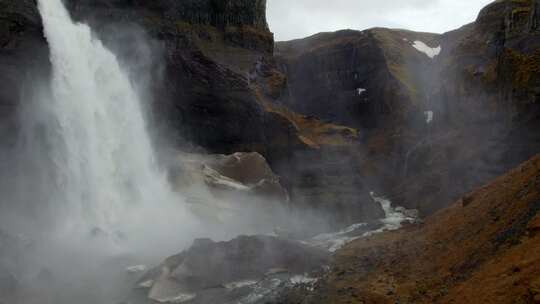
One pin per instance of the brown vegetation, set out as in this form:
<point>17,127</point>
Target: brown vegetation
<point>483,249</point>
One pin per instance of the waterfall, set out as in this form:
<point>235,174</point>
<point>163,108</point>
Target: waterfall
<point>104,178</point>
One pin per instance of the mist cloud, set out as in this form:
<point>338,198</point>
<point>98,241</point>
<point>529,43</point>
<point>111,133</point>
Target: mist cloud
<point>301,18</point>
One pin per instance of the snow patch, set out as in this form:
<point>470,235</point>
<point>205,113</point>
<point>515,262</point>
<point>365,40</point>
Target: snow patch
<point>429,116</point>
<point>424,48</point>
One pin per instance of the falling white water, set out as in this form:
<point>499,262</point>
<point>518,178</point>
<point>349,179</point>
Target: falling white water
<point>106,179</point>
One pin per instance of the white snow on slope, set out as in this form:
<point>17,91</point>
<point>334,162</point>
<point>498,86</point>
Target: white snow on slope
<point>424,48</point>
<point>360,91</point>
<point>429,116</point>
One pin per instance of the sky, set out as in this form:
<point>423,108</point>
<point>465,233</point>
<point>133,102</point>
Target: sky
<point>291,19</point>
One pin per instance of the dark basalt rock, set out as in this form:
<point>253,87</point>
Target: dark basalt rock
<point>245,258</point>
<point>216,13</point>
<point>208,49</point>
<point>355,78</point>
<point>23,61</point>
<point>482,89</point>
<point>323,80</point>
<point>330,181</point>
<point>210,268</point>
<point>23,54</point>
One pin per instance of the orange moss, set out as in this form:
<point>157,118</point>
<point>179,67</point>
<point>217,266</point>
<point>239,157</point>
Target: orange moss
<point>276,83</point>
<point>311,131</point>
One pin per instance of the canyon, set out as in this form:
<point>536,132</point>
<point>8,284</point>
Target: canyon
<point>314,126</point>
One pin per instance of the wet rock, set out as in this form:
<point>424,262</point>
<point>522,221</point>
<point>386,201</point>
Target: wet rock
<point>22,50</point>
<point>209,265</point>
<point>350,67</point>
<point>251,169</point>
<point>8,284</point>
<point>245,258</point>
<point>248,168</point>
<point>331,182</point>
<point>243,173</point>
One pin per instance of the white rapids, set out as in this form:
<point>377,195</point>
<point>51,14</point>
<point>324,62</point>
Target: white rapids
<point>393,220</point>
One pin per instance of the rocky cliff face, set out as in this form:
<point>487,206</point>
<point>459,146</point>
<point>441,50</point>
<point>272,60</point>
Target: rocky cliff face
<point>209,48</point>
<point>435,122</point>
<point>486,97</point>
<point>360,79</point>
<point>336,114</point>
<point>23,60</point>
<point>242,23</point>
<point>22,55</point>
<point>213,80</point>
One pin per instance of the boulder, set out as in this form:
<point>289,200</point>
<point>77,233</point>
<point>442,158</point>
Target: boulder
<point>240,173</point>
<point>247,168</point>
<point>224,267</point>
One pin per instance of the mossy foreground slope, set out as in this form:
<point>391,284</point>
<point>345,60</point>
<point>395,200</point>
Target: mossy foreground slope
<point>483,249</point>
